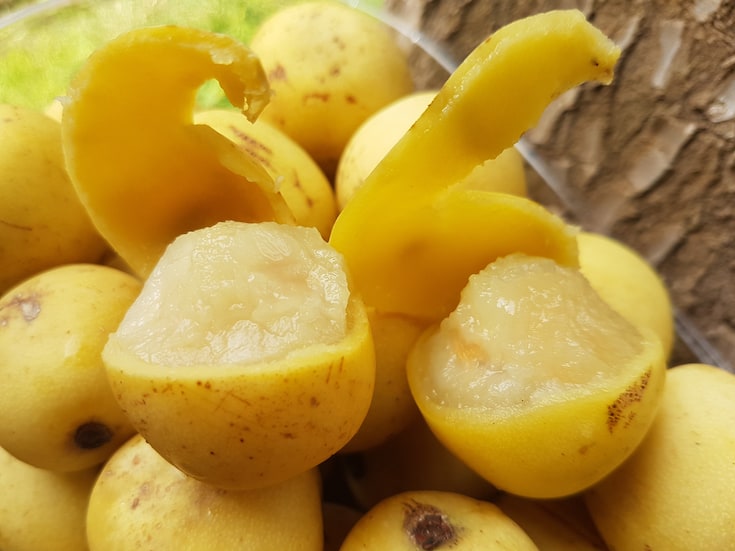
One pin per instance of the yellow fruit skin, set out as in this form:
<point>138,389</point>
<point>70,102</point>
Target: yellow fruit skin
<point>140,501</point>
<point>330,66</point>
<point>43,222</point>
<point>553,450</point>
<point>628,283</point>
<point>677,491</point>
<point>392,407</point>
<point>250,426</point>
<point>58,411</point>
<point>41,509</point>
<point>303,185</point>
<point>378,134</point>
<point>431,238</point>
<point>144,172</point>
<point>410,521</point>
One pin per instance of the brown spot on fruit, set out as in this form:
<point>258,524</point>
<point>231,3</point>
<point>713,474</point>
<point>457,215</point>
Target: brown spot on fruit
<point>277,73</point>
<point>29,306</point>
<point>427,527</point>
<point>316,96</point>
<point>92,435</point>
<point>618,410</point>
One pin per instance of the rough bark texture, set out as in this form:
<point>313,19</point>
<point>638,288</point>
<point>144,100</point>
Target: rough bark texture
<point>650,159</point>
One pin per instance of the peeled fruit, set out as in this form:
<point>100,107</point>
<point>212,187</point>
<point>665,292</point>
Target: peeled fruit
<point>143,170</point>
<point>379,133</point>
<point>58,411</point>
<point>409,237</point>
<point>414,459</point>
<point>415,521</point>
<point>303,185</point>
<point>140,501</point>
<point>42,509</point>
<point>42,222</point>
<point>534,381</point>
<point>247,339</point>
<point>628,282</point>
<point>330,66</point>
<point>677,491</point>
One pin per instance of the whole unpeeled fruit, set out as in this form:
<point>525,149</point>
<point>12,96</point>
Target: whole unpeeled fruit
<point>140,501</point>
<point>416,521</point>
<point>58,411</point>
<point>677,491</point>
<point>247,339</point>
<point>42,509</point>
<point>42,222</point>
<point>330,66</point>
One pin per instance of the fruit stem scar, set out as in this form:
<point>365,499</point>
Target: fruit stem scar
<point>92,435</point>
<point>427,527</point>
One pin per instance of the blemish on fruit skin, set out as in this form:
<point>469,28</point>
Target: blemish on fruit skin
<point>316,96</point>
<point>28,305</point>
<point>277,73</point>
<point>617,411</point>
<point>92,435</point>
<point>427,527</point>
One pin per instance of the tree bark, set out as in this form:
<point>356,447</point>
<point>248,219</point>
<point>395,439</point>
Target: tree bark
<point>649,159</point>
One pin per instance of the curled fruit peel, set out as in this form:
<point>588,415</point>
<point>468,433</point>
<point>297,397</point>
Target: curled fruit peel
<point>143,170</point>
<point>408,238</point>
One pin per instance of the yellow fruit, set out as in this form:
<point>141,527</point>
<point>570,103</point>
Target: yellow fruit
<point>412,521</point>
<point>409,239</point>
<point>330,66</point>
<point>247,340</point>
<point>628,283</point>
<point>140,501</point>
<point>379,133</point>
<point>412,460</point>
<point>305,188</point>
<point>58,411</point>
<point>42,222</point>
<point>677,491</point>
<point>392,407</point>
<point>41,509</point>
<point>143,170</point>
<point>534,381</point>
<point>554,524</point>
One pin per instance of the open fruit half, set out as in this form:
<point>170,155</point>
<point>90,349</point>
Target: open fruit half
<point>534,381</point>
<point>245,360</point>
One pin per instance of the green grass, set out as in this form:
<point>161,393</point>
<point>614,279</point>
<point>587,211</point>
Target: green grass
<point>38,56</point>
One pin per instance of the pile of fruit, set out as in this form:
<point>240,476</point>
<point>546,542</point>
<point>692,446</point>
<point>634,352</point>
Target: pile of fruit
<point>332,317</point>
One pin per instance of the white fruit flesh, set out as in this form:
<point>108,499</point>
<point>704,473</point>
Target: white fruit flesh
<point>527,332</point>
<point>238,293</point>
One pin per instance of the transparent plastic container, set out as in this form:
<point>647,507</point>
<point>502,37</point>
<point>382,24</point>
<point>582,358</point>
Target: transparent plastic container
<point>43,43</point>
